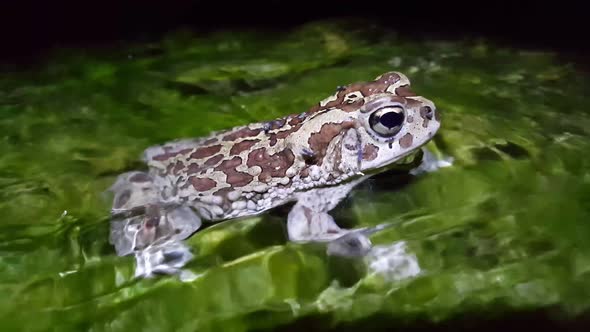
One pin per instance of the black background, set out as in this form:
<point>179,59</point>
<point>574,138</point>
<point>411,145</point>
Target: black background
<point>35,27</point>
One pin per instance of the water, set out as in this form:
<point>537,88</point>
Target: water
<point>505,228</point>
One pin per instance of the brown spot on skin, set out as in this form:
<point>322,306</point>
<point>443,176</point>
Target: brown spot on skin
<point>122,198</point>
<point>410,119</point>
<point>213,160</point>
<point>277,124</point>
<point>168,170</point>
<point>205,152</point>
<point>404,91</point>
<point>275,165</point>
<point>401,100</point>
<point>274,124</point>
<point>297,119</point>
<point>210,141</point>
<point>388,78</point>
<point>373,88</point>
<point>406,141</point>
<point>412,102</point>
<point>318,142</point>
<point>168,155</point>
<point>336,102</point>
<point>273,139</point>
<point>140,177</point>
<point>193,169</point>
<point>202,184</point>
<point>370,152</point>
<point>286,133</point>
<point>241,133</point>
<point>229,164</point>
<point>423,114</point>
<point>242,146</point>
<point>178,166</point>
<point>239,179</point>
<point>234,178</point>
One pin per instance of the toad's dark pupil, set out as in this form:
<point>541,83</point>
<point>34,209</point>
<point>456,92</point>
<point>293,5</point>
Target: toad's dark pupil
<point>392,119</point>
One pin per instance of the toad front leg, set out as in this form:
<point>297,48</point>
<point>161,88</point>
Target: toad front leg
<point>309,221</point>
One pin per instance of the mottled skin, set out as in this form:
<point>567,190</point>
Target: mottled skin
<point>313,159</point>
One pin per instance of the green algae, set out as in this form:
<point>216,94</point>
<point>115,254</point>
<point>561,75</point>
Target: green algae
<point>504,229</point>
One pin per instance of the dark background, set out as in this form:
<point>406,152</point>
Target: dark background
<point>32,28</point>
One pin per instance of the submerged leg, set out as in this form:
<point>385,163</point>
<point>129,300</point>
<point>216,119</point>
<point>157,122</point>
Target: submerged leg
<point>309,221</point>
<point>139,218</point>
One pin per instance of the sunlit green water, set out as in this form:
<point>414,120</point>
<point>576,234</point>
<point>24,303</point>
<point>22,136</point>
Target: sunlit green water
<point>505,228</point>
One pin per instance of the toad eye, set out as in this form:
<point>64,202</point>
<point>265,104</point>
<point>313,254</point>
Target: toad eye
<point>387,121</point>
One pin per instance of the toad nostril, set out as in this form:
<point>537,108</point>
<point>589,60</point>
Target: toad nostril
<point>427,112</point>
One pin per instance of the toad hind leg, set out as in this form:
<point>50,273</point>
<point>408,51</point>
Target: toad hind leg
<point>139,218</point>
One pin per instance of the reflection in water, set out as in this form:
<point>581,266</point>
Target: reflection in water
<point>164,257</point>
<point>393,262</point>
<point>430,163</point>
